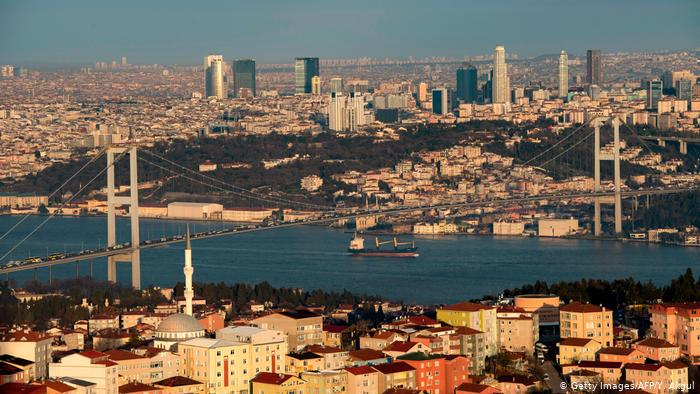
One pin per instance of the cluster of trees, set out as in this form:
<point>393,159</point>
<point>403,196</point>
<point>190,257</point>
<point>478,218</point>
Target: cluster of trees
<point>670,210</point>
<point>611,294</point>
<point>264,292</point>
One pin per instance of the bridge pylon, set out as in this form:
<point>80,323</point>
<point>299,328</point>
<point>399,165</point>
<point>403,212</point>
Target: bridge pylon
<point>598,156</point>
<point>132,201</point>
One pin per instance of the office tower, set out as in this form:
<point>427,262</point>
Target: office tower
<point>214,76</point>
<point>422,92</point>
<point>336,85</point>
<point>124,63</point>
<point>563,74</point>
<point>316,85</point>
<point>466,83</point>
<point>440,101</point>
<point>500,86</point>
<point>305,68</point>
<point>669,78</point>
<point>244,78</point>
<point>336,111</point>
<point>594,70</point>
<point>654,93</point>
<point>684,89</point>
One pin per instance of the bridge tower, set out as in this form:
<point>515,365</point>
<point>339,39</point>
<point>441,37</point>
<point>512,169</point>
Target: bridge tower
<point>132,200</point>
<point>607,156</point>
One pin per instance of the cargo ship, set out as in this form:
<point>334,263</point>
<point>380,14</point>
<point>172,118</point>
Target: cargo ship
<point>357,248</point>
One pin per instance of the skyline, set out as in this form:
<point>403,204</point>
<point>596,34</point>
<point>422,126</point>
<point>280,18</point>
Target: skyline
<point>276,32</point>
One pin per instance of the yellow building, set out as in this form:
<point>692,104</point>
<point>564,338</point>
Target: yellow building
<point>475,316</point>
<point>586,321</point>
<point>573,350</point>
<point>661,378</point>
<point>221,365</point>
<point>326,382</point>
<point>297,363</point>
<point>275,383</point>
<point>267,347</point>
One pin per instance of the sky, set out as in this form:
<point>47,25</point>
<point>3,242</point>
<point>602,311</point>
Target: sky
<point>44,33</point>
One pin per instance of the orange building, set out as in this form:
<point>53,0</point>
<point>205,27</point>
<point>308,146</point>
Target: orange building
<point>586,321</point>
<point>659,378</point>
<point>430,371</point>
<point>620,355</point>
<point>658,349</point>
<point>474,388</point>
<point>676,323</point>
<point>606,371</point>
<point>456,372</point>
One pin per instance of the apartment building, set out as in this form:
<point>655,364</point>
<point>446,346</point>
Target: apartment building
<point>586,321</point>
<point>302,327</point>
<point>476,316</point>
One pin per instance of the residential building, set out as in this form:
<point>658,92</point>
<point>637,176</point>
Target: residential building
<point>326,382</point>
<point>657,349</point>
<point>676,323</point>
<point>572,350</point>
<point>518,331</point>
<point>180,385</point>
<point>221,365</point>
<point>620,355</point>
<point>586,321</point>
<point>274,383</point>
<point>474,388</point>
<point>396,375</point>
<point>362,380</point>
<point>660,378</point>
<point>302,327</point>
<point>472,343</point>
<point>91,366</point>
<point>267,347</point>
<point>606,371</point>
<point>333,357</point>
<point>29,345</point>
<point>476,316</point>
<point>296,363</point>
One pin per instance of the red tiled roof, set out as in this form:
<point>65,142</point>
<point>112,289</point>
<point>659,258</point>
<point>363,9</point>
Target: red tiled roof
<point>578,307</point>
<point>92,354</point>
<point>363,370</point>
<point>106,363</point>
<point>421,320</point>
<point>600,364</point>
<point>367,354</point>
<point>22,388</point>
<point>120,355</point>
<point>56,385</point>
<point>333,328</point>
<point>655,343</point>
<point>643,367</point>
<point>271,378</point>
<point>320,349</point>
<point>400,346</point>
<point>516,379</point>
<point>619,351</point>
<point>136,387</point>
<point>177,381</point>
<point>473,387</point>
<point>24,336</point>
<point>674,365</point>
<point>467,331</point>
<point>575,341</point>
<point>467,307</point>
<point>394,367</point>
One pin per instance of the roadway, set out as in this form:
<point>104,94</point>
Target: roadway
<point>126,248</point>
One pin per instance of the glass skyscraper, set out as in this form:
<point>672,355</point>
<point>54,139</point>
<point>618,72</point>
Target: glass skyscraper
<point>214,76</point>
<point>440,101</point>
<point>244,77</point>
<point>654,92</point>
<point>594,70</point>
<point>305,68</point>
<point>467,83</point>
<point>563,75</point>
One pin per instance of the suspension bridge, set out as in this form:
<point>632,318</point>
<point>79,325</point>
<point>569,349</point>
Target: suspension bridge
<point>130,251</point>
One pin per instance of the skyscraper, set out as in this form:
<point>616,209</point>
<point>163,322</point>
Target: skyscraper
<point>466,83</point>
<point>305,68</point>
<point>346,112</point>
<point>422,92</point>
<point>500,93</point>
<point>244,77</point>
<point>214,76</point>
<point>336,85</point>
<point>594,70</point>
<point>440,101</point>
<point>684,89</point>
<point>563,74</point>
<point>316,85</point>
<point>654,93</point>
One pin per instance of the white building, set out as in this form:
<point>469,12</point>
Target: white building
<point>508,228</point>
<point>29,345</point>
<point>347,112</point>
<point>557,227</point>
<point>91,366</point>
<point>500,85</point>
<point>563,74</point>
<point>214,76</point>
<point>267,347</point>
<point>195,210</point>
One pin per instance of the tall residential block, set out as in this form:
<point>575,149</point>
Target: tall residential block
<point>305,68</point>
<point>578,320</point>
<point>476,316</point>
<point>594,69</point>
<point>244,78</point>
<point>214,76</point>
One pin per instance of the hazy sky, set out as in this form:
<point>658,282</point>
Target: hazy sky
<point>68,32</point>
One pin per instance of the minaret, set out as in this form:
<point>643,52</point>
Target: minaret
<point>188,270</point>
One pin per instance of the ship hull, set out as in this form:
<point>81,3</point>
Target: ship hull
<point>384,253</point>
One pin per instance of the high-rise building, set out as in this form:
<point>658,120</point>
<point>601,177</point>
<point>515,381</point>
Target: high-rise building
<point>563,74</point>
<point>654,93</point>
<point>305,68</point>
<point>500,87</point>
<point>124,63</point>
<point>214,76</point>
<point>244,78</point>
<point>422,92</point>
<point>336,85</point>
<point>467,83</point>
<point>316,85</point>
<point>346,112</point>
<point>594,69</point>
<point>440,101</point>
<point>336,112</point>
<point>684,89</point>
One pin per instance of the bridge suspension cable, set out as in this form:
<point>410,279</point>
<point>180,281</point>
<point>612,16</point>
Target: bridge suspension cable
<point>50,216</point>
<point>59,188</point>
<point>561,141</point>
<point>237,190</point>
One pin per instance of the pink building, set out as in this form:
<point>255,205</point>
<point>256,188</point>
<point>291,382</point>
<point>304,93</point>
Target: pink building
<point>677,323</point>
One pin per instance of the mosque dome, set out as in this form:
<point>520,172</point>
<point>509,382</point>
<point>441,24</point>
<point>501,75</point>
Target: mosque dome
<point>179,323</point>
